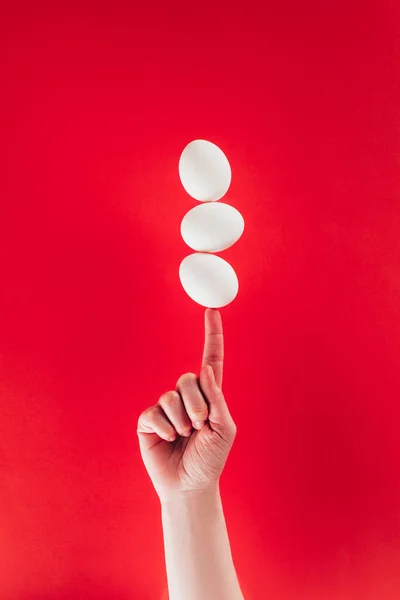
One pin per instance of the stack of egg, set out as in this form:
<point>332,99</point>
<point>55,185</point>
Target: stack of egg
<point>211,227</point>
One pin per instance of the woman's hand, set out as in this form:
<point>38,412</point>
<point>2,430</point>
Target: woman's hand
<point>194,460</point>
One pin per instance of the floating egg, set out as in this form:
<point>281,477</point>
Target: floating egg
<point>204,171</point>
<point>212,227</point>
<point>208,279</point>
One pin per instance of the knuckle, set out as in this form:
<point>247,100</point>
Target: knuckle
<point>151,411</point>
<point>186,379</point>
<point>169,397</point>
<point>214,355</point>
<point>199,414</point>
<point>147,417</point>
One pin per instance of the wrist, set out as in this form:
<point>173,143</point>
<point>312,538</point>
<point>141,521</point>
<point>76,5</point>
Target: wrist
<point>188,497</point>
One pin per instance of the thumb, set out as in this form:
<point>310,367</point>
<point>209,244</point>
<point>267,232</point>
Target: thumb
<point>217,407</point>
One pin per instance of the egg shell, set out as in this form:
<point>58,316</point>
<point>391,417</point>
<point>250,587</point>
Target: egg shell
<point>212,227</point>
<point>208,279</point>
<point>204,171</point>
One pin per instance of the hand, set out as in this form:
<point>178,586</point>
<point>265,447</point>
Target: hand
<point>195,459</point>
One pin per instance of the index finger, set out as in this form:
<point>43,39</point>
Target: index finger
<point>213,354</point>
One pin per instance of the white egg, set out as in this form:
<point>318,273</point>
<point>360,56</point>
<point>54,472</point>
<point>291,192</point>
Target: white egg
<point>208,279</point>
<point>212,227</point>
<point>204,171</point>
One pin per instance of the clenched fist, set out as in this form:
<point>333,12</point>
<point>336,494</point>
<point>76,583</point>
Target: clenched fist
<point>180,458</point>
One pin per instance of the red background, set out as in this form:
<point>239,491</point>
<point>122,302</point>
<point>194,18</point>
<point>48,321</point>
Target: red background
<point>97,103</point>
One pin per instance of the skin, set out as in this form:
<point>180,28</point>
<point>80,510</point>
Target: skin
<point>194,461</point>
<point>186,472</point>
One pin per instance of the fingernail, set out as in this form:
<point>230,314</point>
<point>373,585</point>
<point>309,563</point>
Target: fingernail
<point>199,424</point>
<point>172,438</point>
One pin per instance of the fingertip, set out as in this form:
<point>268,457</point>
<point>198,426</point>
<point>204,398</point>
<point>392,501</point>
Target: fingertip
<point>210,373</point>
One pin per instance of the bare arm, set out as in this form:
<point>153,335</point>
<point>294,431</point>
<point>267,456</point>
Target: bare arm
<point>185,461</point>
<point>197,551</point>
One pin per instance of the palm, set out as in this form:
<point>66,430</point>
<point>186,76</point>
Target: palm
<point>188,463</point>
<point>197,461</point>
